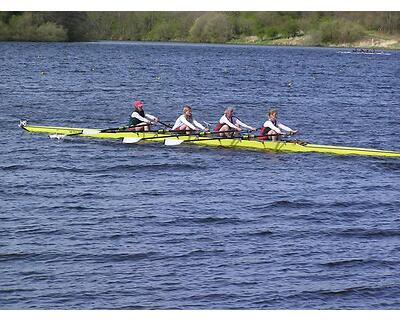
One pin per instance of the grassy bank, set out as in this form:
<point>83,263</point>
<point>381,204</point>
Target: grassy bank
<point>370,41</point>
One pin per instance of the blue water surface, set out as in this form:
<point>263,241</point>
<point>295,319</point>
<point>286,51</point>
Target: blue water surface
<point>93,224</point>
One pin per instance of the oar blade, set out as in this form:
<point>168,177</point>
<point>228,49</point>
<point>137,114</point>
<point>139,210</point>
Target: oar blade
<point>173,142</point>
<point>90,131</point>
<point>57,136</point>
<point>131,140</point>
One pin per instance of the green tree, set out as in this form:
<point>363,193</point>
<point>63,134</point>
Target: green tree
<point>290,27</point>
<point>333,31</point>
<point>211,27</point>
<point>76,24</point>
<point>320,27</point>
<point>4,31</point>
<point>49,31</point>
<point>163,31</point>
<point>21,27</point>
<point>245,25</point>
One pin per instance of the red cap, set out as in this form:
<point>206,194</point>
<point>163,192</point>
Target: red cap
<point>138,103</point>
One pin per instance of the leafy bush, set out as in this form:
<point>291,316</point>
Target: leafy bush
<point>272,33</point>
<point>4,32</point>
<point>21,27</point>
<point>163,31</point>
<point>28,27</point>
<point>318,28</point>
<point>245,26</point>
<point>273,25</point>
<point>49,31</point>
<point>290,28</point>
<point>337,31</point>
<point>211,27</point>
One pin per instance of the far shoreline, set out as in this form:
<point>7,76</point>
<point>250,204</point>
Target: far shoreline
<point>371,41</point>
<point>392,44</point>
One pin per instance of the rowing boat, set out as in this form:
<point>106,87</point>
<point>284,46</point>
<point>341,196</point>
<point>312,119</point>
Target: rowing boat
<point>212,140</point>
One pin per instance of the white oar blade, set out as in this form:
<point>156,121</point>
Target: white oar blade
<point>131,140</point>
<point>90,131</point>
<point>173,142</point>
<point>57,136</point>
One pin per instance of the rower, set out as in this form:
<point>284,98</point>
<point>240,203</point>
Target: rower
<point>273,129</point>
<point>186,122</point>
<point>229,122</point>
<point>139,120</point>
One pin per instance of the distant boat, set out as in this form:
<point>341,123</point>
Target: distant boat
<point>366,51</point>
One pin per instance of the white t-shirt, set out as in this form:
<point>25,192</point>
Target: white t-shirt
<point>147,117</point>
<point>236,123</point>
<point>278,126</point>
<point>182,120</point>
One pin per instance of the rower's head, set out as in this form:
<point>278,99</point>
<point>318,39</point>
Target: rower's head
<point>229,111</point>
<point>138,104</point>
<point>187,111</point>
<point>273,114</point>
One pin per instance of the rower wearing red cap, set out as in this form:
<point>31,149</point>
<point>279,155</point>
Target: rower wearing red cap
<point>139,120</point>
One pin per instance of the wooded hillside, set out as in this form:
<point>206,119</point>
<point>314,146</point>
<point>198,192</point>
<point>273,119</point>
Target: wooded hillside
<point>315,28</point>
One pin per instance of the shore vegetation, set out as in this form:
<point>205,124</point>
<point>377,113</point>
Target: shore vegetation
<point>351,29</point>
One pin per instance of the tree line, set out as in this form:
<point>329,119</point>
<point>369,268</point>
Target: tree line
<point>320,28</point>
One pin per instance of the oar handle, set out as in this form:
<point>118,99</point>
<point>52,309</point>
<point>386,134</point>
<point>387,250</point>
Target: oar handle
<point>112,129</point>
<point>176,134</point>
<point>233,131</point>
<point>124,128</point>
<point>165,124</point>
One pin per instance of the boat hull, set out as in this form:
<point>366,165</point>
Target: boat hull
<point>278,146</point>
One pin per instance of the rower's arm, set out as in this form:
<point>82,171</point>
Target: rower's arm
<point>139,117</point>
<point>151,117</point>
<point>198,125</point>
<point>176,124</point>
<point>224,120</point>
<point>191,126</point>
<point>270,125</point>
<point>286,128</point>
<point>240,123</point>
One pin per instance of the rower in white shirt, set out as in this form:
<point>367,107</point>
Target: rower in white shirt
<point>186,122</point>
<point>139,120</point>
<point>273,129</point>
<point>229,122</point>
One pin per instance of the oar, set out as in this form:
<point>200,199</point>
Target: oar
<point>176,142</point>
<point>177,134</point>
<point>137,139</point>
<point>84,131</point>
<point>126,129</point>
<point>159,131</point>
<point>274,135</point>
<point>114,129</point>
<point>95,131</point>
<point>165,124</point>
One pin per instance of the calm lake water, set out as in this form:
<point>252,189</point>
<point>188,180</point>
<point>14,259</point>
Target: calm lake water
<point>90,224</point>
